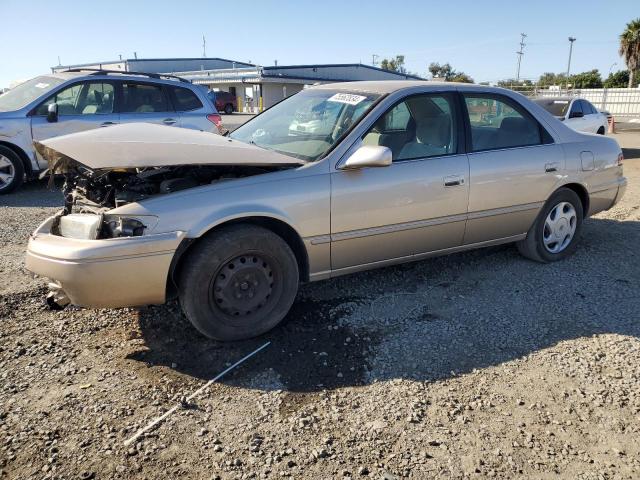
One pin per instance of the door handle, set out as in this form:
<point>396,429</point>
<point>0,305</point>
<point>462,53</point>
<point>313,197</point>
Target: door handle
<point>107,124</point>
<point>453,181</point>
<point>551,167</point>
<point>169,121</point>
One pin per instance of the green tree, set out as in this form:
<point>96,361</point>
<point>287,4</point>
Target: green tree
<point>448,73</point>
<point>590,79</point>
<point>550,78</point>
<point>462,78</point>
<point>511,82</point>
<point>630,48</point>
<point>619,79</point>
<point>394,64</point>
<point>445,70</point>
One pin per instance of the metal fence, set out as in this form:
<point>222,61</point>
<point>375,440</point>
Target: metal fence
<point>620,102</point>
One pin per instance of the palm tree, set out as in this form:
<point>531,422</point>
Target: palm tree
<point>630,47</point>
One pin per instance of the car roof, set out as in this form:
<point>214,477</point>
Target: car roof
<point>108,75</point>
<point>389,86</point>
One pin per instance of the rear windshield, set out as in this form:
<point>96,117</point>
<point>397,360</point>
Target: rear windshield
<point>308,124</point>
<point>25,93</point>
<point>554,106</point>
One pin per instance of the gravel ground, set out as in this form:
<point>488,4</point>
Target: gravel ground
<point>480,364</point>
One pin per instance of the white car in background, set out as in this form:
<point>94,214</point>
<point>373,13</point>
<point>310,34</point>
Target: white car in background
<point>576,113</point>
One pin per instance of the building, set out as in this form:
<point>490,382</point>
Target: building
<point>158,65</point>
<point>255,87</point>
<point>258,87</point>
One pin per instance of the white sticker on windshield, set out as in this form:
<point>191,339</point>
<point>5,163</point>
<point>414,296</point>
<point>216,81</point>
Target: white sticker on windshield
<point>346,98</point>
<point>563,102</point>
<point>42,85</point>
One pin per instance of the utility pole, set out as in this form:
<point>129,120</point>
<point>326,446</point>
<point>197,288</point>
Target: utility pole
<point>520,53</point>
<point>374,59</point>
<point>204,47</point>
<point>571,40</point>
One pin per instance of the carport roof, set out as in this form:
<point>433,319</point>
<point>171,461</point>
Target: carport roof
<point>274,73</point>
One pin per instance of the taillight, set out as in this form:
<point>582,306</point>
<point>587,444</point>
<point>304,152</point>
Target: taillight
<point>216,119</point>
<point>620,159</point>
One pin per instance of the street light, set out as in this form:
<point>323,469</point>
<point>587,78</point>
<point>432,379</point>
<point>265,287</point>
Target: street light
<point>571,40</point>
<point>611,67</point>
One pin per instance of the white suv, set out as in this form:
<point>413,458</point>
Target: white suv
<point>77,100</point>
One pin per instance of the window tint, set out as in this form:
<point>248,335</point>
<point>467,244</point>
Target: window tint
<point>587,108</point>
<point>185,99</point>
<point>420,126</point>
<point>499,123</point>
<point>576,107</point>
<point>143,98</point>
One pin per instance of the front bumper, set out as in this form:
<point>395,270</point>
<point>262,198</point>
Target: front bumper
<point>115,272</point>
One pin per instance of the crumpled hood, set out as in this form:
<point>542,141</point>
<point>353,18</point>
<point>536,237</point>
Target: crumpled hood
<point>140,145</point>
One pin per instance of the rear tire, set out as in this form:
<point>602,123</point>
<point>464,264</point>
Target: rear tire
<point>554,234</point>
<point>228,109</point>
<point>11,170</point>
<point>238,283</point>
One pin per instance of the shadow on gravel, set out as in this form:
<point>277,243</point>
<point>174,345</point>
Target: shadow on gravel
<point>35,194</point>
<point>494,306</point>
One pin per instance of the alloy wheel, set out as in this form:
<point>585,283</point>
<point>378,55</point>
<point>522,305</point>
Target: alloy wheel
<point>7,172</point>
<point>559,227</point>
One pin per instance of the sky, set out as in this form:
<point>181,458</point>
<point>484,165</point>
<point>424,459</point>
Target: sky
<point>478,37</point>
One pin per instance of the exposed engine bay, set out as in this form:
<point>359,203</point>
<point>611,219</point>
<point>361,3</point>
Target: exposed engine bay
<point>106,168</point>
<point>88,191</point>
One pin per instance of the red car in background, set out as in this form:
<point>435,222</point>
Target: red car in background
<point>224,101</point>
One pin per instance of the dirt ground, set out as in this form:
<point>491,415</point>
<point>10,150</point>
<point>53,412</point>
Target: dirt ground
<point>480,364</point>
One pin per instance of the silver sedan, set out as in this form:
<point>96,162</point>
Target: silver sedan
<point>400,171</point>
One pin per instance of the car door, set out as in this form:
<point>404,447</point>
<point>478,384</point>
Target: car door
<point>575,117</point>
<point>146,102</point>
<point>591,116</point>
<point>418,203</point>
<point>81,106</point>
<point>191,111</point>
<point>513,167</point>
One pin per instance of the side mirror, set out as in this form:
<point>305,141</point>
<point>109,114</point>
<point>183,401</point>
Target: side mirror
<point>52,113</point>
<point>368,156</point>
<point>576,115</point>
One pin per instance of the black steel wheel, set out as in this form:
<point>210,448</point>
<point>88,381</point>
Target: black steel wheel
<point>238,283</point>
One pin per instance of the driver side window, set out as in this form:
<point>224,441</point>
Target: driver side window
<point>67,100</point>
<point>82,99</point>
<point>421,126</point>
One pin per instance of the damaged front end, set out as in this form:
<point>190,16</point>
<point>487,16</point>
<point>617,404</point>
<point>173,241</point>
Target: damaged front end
<point>107,168</point>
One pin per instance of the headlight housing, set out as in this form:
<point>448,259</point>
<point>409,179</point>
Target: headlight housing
<point>89,226</point>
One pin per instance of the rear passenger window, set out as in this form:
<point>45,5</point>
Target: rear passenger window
<point>419,127</point>
<point>185,99</point>
<point>143,98</point>
<point>497,123</point>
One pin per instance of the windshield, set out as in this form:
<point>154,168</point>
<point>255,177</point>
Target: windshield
<point>308,124</point>
<point>555,107</point>
<point>27,92</point>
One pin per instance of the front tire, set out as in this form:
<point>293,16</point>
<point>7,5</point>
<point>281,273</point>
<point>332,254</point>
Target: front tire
<point>11,170</point>
<point>600,131</point>
<point>228,109</point>
<point>238,283</point>
<point>554,234</point>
